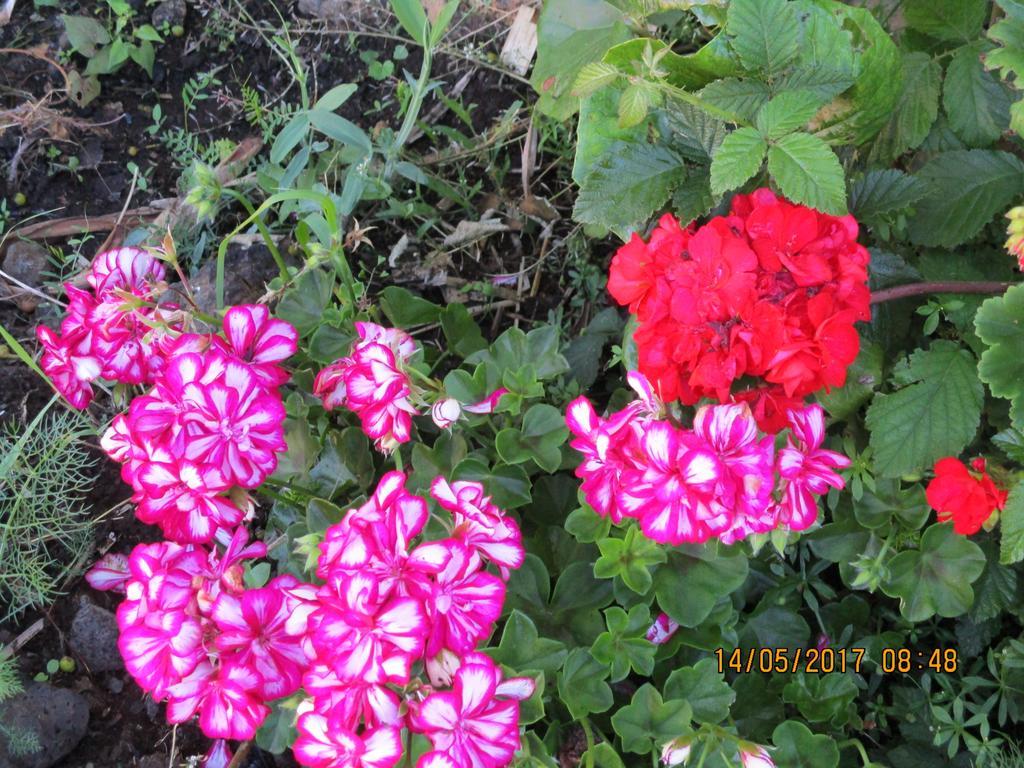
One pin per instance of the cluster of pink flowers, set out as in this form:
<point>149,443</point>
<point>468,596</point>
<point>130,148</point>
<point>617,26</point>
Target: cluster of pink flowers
<point>720,479</point>
<point>108,331</point>
<point>191,634</point>
<point>210,427</point>
<point>387,605</point>
<point>374,383</point>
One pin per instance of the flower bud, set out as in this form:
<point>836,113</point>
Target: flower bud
<point>676,752</point>
<point>446,412</point>
<point>755,756</point>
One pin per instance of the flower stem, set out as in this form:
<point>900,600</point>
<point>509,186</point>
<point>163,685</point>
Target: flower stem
<point>953,286</point>
<point>590,741</point>
<point>860,748</point>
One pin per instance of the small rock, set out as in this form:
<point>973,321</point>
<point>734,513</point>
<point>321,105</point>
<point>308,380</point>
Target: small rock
<point>56,717</point>
<point>115,685</point>
<point>169,12</point>
<point>94,638</point>
<point>25,261</point>
<point>248,267</point>
<point>329,10</point>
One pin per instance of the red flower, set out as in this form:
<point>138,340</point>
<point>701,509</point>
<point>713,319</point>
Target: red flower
<point>771,292</point>
<point>965,497</point>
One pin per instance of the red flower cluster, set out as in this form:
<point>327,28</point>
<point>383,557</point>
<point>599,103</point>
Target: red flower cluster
<point>965,497</point>
<point>771,291</point>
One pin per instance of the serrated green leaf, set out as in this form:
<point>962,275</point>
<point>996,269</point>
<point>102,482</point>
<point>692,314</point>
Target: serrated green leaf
<point>976,103</point>
<point>582,686</point>
<point>693,132</point>
<point>598,133</point>
<point>808,172</point>
<point>827,63</point>
<point>960,20</point>
<point>624,646</point>
<point>523,649</point>
<point>634,104</point>
<point>936,416</point>
<point>996,588</point>
<point>915,110</point>
<point>936,578</point>
<point>1011,527</point>
<point>881,192</point>
<point>966,189</point>
<point>741,97</point>
<point>595,76</point>
<point>764,33</point>
<point>998,324</point>
<point>625,189</point>
<point>737,159</point>
<point>787,112</point>
<point>693,198</point>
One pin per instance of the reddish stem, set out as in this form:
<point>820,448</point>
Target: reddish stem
<point>952,286</point>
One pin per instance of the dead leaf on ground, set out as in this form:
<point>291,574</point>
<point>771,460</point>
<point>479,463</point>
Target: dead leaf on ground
<point>467,232</point>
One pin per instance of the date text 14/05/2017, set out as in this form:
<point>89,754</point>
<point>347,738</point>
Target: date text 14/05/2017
<point>825,660</point>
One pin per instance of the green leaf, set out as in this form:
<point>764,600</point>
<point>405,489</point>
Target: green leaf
<point>336,127</point>
<point>822,698</point>
<point>634,104</point>
<point>1011,527</point>
<point>146,32</point>
<point>85,34</point>
<point>598,133</point>
<point>738,158</point>
<point>862,379</point>
<point>144,55</point>
<point>581,684</point>
<point>571,34</point>
<point>540,438</point>
<point>626,188</point>
<point>976,103</point>
<point>404,308</point>
<point>704,687</point>
<point>934,417</point>
<point>741,97</point>
<point>998,324</point>
<point>915,111</point>
<point>937,578</point>
<point>807,171</point>
<point>881,192</point>
<point>509,486</point>
<point>293,132</point>
<point>278,731</point>
<point>827,63</point>
<point>584,352</point>
<point>956,20</point>
<point>461,331</point>
<point>303,304</point>
<point>594,77</point>
<point>523,649</point>
<point>335,97</point>
<point>693,198</point>
<point>625,645</point>
<point>692,131</point>
<point>996,588</point>
<point>764,33</point>
<point>412,17</point>
<point>694,578</point>
<point>648,722</point>
<point>578,590</point>
<point>797,747</point>
<point>966,188</point>
<point>787,112</point>
<point>629,558</point>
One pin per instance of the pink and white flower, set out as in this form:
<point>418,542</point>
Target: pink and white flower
<point>807,468</point>
<point>256,338</point>
<point>479,524</point>
<point>662,629</point>
<point>755,756</point>
<point>323,742</point>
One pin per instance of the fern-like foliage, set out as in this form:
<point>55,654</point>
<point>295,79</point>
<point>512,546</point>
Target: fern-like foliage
<point>46,471</point>
<point>266,119</point>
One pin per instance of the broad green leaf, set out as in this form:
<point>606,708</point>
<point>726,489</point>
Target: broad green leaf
<point>738,158</point>
<point>692,132</point>
<point>584,352</point>
<point>577,589</point>
<point>976,103</point>
<point>955,20</point>
<point>914,112</point>
<point>692,199</point>
<point>335,97</point>
<point>303,304</point>
<point>822,698</point>
<point>338,128</point>
<point>797,747</point>
<point>595,76</point>
<point>405,309</point>
<point>586,525</point>
<point>278,733</point>
<point>1011,527</point>
<point>787,112</point>
<point>935,579</point>
<point>881,192</point>
<point>146,32</point>
<point>571,34</point>
<point>862,379</point>
<point>294,131</point>
<point>523,649</point>
<point>412,17</point>
<point>623,190</point>
<point>648,722</point>
<point>876,509</point>
<point>808,172</point>
<point>461,331</point>
<point>635,103</point>
<point>764,33</point>
<point>345,460</point>
<point>827,64</point>
<point>704,687</point>
<point>996,588</point>
<point>629,558</point>
<point>625,645</point>
<point>604,756</point>
<point>85,34</point>
<point>540,438</point>
<point>598,133</point>
<point>935,416</point>
<point>509,486</point>
<point>581,684</point>
<point>998,324</point>
<point>693,579</point>
<point>742,97</point>
<point>966,189</point>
